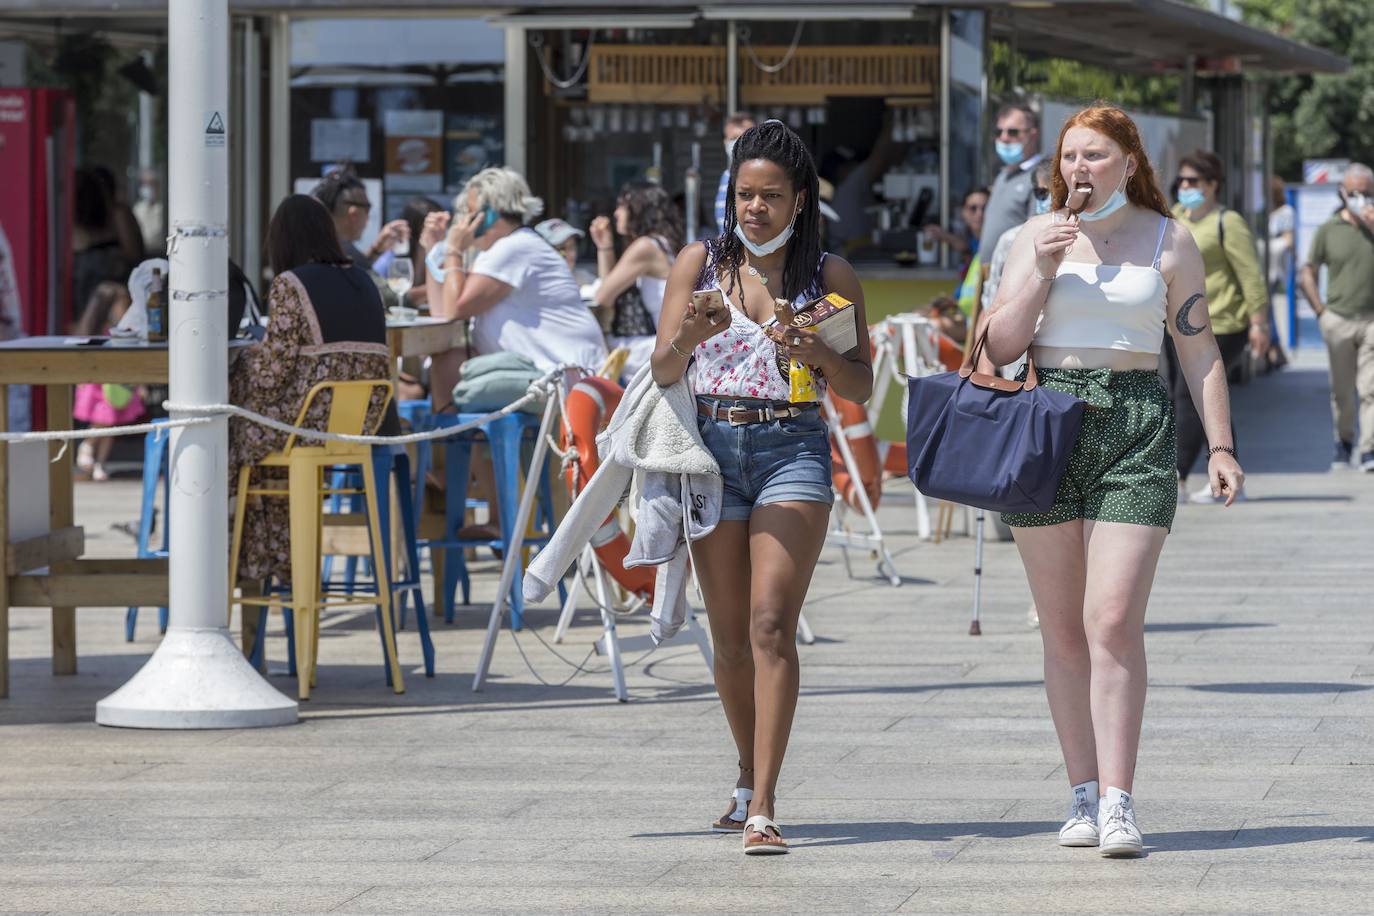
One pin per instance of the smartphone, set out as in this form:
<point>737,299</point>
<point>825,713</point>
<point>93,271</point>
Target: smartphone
<point>489,218</point>
<point>709,303</point>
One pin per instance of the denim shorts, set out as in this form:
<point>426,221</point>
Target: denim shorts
<point>785,460</point>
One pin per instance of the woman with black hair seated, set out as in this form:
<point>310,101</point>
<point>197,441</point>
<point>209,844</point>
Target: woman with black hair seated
<point>325,323</point>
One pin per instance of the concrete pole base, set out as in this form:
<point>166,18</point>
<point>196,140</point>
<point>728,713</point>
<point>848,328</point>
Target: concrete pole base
<point>197,678</point>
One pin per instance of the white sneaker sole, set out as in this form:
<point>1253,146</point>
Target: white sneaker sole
<point>1122,850</point>
<point>1078,842</point>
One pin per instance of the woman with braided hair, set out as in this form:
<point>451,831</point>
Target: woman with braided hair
<point>774,455</point>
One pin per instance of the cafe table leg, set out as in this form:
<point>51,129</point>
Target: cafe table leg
<point>60,515</point>
<point>4,543</point>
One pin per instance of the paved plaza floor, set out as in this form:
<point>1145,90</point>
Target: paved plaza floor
<point>923,774</point>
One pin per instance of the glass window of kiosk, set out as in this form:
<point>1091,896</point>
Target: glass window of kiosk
<point>414,105</point>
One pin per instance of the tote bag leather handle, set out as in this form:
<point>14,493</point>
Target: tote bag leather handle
<point>995,382</point>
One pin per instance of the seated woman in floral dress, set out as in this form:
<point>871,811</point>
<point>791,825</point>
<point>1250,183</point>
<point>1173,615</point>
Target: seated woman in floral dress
<point>325,323</point>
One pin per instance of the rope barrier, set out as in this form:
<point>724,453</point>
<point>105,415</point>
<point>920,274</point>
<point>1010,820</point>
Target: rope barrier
<point>539,390</point>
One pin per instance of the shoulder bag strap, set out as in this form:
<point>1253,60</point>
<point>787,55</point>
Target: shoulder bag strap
<point>984,380</point>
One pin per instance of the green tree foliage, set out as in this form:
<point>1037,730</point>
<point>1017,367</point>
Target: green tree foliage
<point>1074,81</point>
<point>1326,115</point>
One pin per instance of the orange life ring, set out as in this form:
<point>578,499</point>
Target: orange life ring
<point>588,407</point>
<point>951,352</point>
<point>859,432</point>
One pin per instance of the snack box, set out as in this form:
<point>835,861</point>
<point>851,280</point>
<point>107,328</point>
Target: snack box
<point>832,317</point>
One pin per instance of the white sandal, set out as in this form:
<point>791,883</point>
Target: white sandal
<point>761,825</point>
<point>726,823</point>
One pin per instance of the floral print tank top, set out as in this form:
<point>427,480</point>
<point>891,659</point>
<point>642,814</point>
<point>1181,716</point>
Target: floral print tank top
<point>743,361</point>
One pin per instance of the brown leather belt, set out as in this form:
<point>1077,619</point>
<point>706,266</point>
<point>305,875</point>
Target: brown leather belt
<point>741,416</point>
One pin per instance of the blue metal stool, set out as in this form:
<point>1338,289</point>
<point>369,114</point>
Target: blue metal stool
<point>413,414</point>
<point>505,435</point>
<point>154,469</point>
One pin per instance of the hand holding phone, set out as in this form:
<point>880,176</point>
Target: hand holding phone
<point>706,317</point>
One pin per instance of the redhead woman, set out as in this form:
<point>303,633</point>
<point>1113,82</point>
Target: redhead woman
<point>1090,289</point>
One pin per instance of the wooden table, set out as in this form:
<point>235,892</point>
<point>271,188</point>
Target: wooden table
<point>423,336</point>
<point>71,580</point>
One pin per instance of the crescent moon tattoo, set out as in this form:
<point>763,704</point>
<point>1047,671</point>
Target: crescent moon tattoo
<point>1181,319</point>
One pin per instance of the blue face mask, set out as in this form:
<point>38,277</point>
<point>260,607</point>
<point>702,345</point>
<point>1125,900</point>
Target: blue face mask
<point>1114,203</point>
<point>1042,205</point>
<point>1191,198</point>
<point>1010,153</point>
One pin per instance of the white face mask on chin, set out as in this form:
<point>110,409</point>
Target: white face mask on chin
<point>772,244</point>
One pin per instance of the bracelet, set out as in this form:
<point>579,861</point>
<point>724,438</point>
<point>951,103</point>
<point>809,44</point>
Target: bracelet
<point>1040,278</point>
<point>673,343</point>
<point>1221,448</point>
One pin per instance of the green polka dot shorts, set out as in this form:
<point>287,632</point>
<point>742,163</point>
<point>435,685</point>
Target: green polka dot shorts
<point>1122,469</point>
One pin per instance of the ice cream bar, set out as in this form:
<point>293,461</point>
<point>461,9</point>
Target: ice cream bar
<point>801,378</point>
<point>782,311</point>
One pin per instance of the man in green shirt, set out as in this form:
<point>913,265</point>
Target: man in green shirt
<point>1345,244</point>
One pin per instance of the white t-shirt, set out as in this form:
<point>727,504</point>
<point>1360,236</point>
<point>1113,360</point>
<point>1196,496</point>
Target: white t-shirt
<point>543,317</point>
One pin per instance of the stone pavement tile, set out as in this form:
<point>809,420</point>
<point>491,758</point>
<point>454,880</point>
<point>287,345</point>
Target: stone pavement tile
<point>175,898</point>
<point>257,790</point>
<point>32,869</point>
<point>108,845</point>
<point>319,866</point>
<point>1344,754</point>
<point>995,896</point>
<point>708,898</point>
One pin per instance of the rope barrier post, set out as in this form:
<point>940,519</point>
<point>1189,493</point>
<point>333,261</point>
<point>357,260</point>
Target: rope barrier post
<point>522,521</point>
<point>198,678</point>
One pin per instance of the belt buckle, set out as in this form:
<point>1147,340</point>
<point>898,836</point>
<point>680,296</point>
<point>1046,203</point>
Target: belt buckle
<point>730,415</point>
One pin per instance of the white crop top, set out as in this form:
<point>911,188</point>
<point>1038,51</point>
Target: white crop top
<point>1106,306</point>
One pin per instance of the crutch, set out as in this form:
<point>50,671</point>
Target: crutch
<point>975,628</point>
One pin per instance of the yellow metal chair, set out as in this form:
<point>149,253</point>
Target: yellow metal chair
<point>306,489</point>
<point>614,364</point>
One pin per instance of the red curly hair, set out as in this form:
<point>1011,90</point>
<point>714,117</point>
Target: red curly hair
<point>1114,124</point>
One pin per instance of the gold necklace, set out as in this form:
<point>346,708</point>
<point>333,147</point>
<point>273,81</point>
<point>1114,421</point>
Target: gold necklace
<point>755,272</point>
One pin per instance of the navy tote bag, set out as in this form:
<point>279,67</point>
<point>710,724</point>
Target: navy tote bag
<point>985,441</point>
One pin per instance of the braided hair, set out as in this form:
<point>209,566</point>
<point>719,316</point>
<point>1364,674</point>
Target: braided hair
<point>776,142</point>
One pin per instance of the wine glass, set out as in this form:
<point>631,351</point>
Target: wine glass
<point>400,276</point>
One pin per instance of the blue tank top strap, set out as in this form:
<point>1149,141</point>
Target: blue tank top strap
<point>1159,245</point>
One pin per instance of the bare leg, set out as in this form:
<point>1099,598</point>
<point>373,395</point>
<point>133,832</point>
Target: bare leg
<point>722,559</point>
<point>1121,561</point>
<point>1053,557</point>
<point>103,446</point>
<point>784,542</point>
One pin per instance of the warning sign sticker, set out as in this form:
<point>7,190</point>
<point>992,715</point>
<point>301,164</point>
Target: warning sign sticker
<point>214,129</point>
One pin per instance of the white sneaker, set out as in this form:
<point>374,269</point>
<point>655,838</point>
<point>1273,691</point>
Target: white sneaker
<point>1081,827</point>
<point>1119,836</point>
<point>85,456</point>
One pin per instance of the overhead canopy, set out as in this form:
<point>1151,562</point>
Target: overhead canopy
<point>1143,36</point>
<point>1149,36</point>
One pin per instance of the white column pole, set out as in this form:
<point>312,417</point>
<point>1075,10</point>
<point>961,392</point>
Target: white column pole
<point>516,116</point>
<point>198,678</point>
